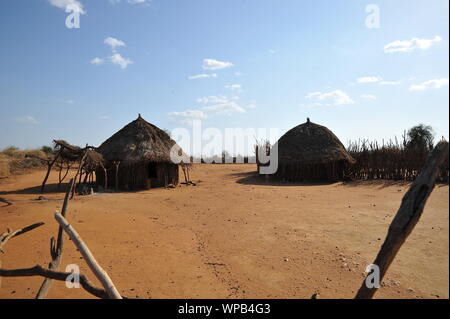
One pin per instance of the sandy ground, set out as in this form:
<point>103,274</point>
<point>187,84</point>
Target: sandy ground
<point>231,236</point>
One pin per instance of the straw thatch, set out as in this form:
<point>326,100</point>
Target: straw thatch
<point>68,152</point>
<point>311,152</point>
<point>310,143</point>
<point>139,141</point>
<point>138,156</point>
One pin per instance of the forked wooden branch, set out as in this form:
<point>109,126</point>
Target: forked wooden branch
<point>408,215</point>
<point>98,271</point>
<point>56,251</point>
<point>56,275</point>
<point>4,237</point>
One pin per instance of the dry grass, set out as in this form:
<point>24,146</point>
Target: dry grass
<point>14,160</point>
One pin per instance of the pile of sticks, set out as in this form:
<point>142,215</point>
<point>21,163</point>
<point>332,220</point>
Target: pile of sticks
<point>50,273</point>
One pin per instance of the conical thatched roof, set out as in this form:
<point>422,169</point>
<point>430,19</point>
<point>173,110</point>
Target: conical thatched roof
<point>310,143</point>
<point>139,141</point>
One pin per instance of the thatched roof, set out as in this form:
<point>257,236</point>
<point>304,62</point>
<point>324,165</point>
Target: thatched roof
<point>69,152</point>
<point>310,143</point>
<point>139,141</point>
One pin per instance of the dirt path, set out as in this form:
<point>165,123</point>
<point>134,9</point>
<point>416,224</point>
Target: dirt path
<point>231,236</point>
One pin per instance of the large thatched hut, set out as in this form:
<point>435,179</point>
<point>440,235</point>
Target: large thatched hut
<point>311,152</point>
<point>138,157</point>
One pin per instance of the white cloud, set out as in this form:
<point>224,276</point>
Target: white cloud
<point>333,98</point>
<point>234,87</point>
<point>114,43</point>
<point>27,119</point>
<point>411,45</point>
<point>202,76</point>
<point>188,116</point>
<point>212,105</point>
<point>62,4</point>
<point>212,99</point>
<point>116,58</point>
<point>368,79</point>
<point>431,84</point>
<point>211,64</point>
<point>368,96</point>
<point>97,61</point>
<point>227,107</point>
<point>252,106</point>
<point>238,73</point>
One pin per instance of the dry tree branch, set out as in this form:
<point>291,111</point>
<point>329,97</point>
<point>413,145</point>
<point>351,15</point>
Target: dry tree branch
<point>4,237</point>
<point>407,216</point>
<point>56,252</point>
<point>55,275</point>
<point>98,271</point>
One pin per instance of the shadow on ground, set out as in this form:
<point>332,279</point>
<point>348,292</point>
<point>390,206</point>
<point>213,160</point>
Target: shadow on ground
<point>49,189</point>
<point>253,178</point>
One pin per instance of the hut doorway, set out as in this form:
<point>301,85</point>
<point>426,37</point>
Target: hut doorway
<point>152,170</point>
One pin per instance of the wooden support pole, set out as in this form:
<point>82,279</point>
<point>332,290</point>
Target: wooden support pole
<point>56,250</point>
<point>106,176</point>
<point>407,216</point>
<point>49,168</point>
<point>80,167</point>
<point>98,271</point>
<point>117,175</point>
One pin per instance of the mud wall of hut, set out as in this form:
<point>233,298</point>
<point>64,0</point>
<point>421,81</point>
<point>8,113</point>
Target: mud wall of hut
<point>297,172</point>
<point>138,176</point>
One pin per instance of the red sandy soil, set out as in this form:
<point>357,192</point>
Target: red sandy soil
<point>231,236</point>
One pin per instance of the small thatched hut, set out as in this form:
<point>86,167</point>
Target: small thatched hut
<point>138,157</point>
<point>311,152</point>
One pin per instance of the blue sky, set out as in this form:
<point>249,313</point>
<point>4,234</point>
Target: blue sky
<point>264,63</point>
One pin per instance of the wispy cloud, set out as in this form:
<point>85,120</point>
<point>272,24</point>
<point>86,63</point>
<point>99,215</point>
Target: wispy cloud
<point>210,106</point>
<point>333,98</point>
<point>97,61</point>
<point>234,87</point>
<point>118,59</point>
<point>114,43</point>
<point>27,119</point>
<point>368,96</point>
<point>376,79</point>
<point>368,79</point>
<point>212,64</point>
<point>431,84</point>
<point>411,45</point>
<point>62,4</point>
<point>202,76</point>
<point>187,116</point>
<point>70,101</point>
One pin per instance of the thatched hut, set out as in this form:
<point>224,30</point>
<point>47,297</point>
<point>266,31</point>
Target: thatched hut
<point>138,157</point>
<point>311,152</point>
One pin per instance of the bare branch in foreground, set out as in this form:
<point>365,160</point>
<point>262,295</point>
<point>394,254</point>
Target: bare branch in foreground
<point>98,271</point>
<point>4,237</point>
<point>408,215</point>
<point>56,251</point>
<point>56,275</point>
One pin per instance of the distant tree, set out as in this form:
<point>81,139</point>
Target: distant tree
<point>48,150</point>
<point>420,137</point>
